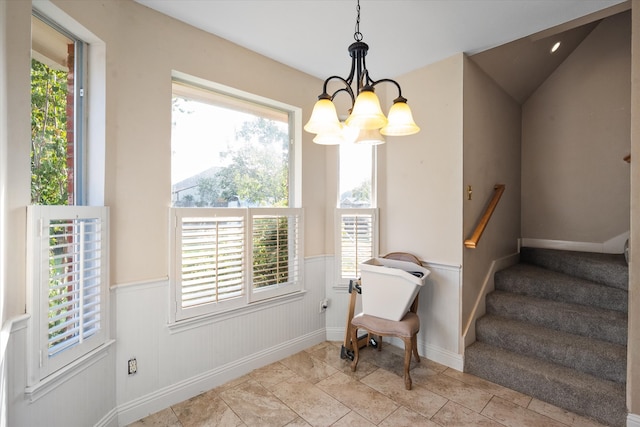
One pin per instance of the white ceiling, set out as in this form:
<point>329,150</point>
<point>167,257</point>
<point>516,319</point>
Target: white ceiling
<point>403,35</point>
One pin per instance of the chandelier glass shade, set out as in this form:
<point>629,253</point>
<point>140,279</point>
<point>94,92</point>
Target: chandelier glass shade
<point>366,122</point>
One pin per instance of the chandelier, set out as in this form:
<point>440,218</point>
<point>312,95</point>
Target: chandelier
<point>366,123</point>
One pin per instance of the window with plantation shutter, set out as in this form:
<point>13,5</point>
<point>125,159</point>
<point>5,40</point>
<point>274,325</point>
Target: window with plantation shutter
<point>226,258</point>
<point>68,270</point>
<point>357,241</point>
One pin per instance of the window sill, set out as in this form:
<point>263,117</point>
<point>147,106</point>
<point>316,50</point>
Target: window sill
<point>77,367</point>
<point>196,322</point>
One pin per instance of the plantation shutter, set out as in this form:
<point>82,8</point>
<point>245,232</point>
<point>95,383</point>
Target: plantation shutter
<point>357,241</point>
<point>228,257</point>
<point>211,259</point>
<point>69,275</point>
<point>276,246</point>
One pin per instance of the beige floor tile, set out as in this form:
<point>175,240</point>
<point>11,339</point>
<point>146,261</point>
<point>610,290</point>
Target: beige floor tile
<point>418,399</point>
<point>308,367</point>
<point>298,422</point>
<point>371,404</point>
<point>353,419</point>
<point>406,417</point>
<point>464,394</point>
<point>330,355</point>
<point>455,415</point>
<point>559,414</point>
<point>314,405</point>
<point>256,406</point>
<point>512,415</point>
<point>271,375</point>
<point>164,418</point>
<point>493,388</point>
<point>317,388</point>
<point>205,410</point>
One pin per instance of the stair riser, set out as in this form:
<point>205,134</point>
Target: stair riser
<point>583,293</point>
<point>596,358</point>
<point>606,329</point>
<point>606,269</point>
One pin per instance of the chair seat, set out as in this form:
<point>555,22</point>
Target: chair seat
<point>407,327</point>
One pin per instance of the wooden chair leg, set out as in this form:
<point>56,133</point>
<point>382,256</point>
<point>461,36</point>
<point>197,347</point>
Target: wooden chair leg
<point>408,348</point>
<point>414,346</point>
<point>356,348</point>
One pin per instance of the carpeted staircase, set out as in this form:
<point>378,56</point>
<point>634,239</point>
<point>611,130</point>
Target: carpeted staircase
<point>556,329</point>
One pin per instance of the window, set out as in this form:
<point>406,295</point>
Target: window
<point>228,151</point>
<point>356,215</point>
<point>236,237</point>
<point>68,267</point>
<point>57,115</point>
<point>67,242</point>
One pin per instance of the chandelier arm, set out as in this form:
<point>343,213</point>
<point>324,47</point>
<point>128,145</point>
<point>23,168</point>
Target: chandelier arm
<point>400,98</point>
<point>346,88</point>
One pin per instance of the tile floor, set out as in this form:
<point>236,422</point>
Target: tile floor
<point>317,388</point>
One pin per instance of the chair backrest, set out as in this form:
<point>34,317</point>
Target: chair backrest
<point>403,256</point>
<point>407,257</point>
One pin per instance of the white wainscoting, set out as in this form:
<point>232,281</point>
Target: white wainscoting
<point>633,420</point>
<point>175,365</point>
<point>90,388</point>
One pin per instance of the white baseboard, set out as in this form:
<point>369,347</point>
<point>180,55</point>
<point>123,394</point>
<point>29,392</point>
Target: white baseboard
<point>444,357</point>
<point>614,245</point>
<point>178,392</point>
<point>633,420</point>
<point>335,334</point>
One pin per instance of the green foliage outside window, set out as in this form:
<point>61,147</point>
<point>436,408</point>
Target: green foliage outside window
<point>48,135</point>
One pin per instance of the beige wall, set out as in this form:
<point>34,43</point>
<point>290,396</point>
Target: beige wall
<point>15,135</point>
<point>491,156</point>
<point>575,133</point>
<point>633,343</point>
<point>142,48</point>
<point>421,175</point>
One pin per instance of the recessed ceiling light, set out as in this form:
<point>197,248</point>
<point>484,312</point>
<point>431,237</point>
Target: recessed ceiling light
<point>555,47</point>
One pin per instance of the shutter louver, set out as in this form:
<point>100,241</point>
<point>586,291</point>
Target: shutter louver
<point>357,243</point>
<point>275,250</point>
<point>75,281</point>
<point>212,259</point>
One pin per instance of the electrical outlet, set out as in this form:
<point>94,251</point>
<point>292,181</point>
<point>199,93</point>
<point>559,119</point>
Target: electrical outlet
<point>132,366</point>
<point>323,305</point>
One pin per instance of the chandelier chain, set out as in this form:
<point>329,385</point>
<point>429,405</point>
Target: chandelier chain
<point>357,35</point>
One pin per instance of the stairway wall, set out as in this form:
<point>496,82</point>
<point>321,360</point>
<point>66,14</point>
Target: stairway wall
<point>491,130</point>
<point>575,134</point>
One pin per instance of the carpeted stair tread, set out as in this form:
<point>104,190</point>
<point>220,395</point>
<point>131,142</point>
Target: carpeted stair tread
<point>531,280</point>
<point>606,269</point>
<point>593,322</point>
<point>564,387</point>
<point>598,358</point>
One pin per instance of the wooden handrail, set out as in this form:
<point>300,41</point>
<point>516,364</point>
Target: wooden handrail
<point>475,237</point>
